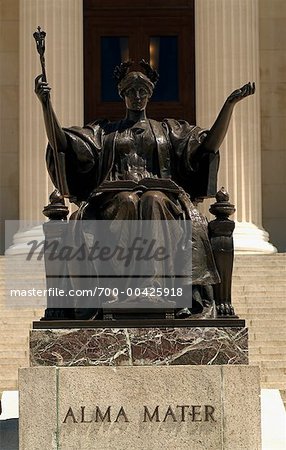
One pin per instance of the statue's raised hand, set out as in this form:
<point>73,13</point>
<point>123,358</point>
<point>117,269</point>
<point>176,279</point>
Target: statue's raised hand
<point>42,89</point>
<point>239,94</point>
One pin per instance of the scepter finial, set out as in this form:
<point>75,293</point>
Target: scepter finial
<point>39,37</point>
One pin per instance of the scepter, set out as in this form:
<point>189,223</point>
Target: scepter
<point>39,37</point>
<point>61,182</point>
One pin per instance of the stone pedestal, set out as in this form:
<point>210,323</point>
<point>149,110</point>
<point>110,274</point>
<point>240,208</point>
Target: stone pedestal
<point>150,386</point>
<point>114,408</point>
<point>139,346</point>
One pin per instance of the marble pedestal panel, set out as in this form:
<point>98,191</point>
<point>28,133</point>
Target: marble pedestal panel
<point>139,346</point>
<point>140,408</point>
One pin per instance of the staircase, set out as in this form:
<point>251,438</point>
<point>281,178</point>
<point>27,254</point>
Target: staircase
<point>15,324</point>
<point>259,296</point>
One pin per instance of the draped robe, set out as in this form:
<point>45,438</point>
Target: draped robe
<point>91,160</point>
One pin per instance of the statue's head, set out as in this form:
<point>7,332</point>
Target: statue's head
<point>135,87</point>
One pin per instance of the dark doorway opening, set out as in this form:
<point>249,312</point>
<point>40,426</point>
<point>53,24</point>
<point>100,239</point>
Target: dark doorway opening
<point>161,32</point>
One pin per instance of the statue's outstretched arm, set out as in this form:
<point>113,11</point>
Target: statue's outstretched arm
<point>219,129</point>
<point>55,134</point>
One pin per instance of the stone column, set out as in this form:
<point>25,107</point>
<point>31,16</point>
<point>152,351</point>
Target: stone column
<point>63,22</point>
<point>227,56</point>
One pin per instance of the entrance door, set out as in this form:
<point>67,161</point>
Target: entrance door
<point>161,32</point>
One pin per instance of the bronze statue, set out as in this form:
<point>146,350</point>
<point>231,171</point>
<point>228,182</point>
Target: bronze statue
<point>139,168</point>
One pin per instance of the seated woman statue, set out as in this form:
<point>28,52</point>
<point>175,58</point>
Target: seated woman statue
<point>164,157</point>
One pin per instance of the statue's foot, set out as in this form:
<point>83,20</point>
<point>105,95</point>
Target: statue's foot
<point>183,313</point>
<point>52,314</point>
<point>88,314</point>
<point>225,309</point>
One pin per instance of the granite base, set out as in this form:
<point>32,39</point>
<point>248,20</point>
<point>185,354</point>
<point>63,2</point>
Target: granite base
<point>140,408</point>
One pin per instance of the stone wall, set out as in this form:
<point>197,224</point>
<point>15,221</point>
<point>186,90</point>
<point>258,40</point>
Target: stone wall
<point>273,118</point>
<point>9,113</point>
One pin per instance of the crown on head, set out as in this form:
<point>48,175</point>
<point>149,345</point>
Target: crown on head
<point>124,68</point>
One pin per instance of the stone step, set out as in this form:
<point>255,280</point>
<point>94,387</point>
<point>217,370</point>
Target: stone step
<point>274,372</point>
<point>20,312</point>
<point>263,338</point>
<point>27,303</point>
<point>259,258</point>
<point>259,290</point>
<point>269,350</point>
<point>276,311</point>
<point>17,323</point>
<point>9,385</point>
<point>256,350</point>
<point>256,346</point>
<point>272,265</point>
<point>271,269</point>
<point>273,385</point>
<point>16,354</point>
<point>271,287</point>
<point>277,364</point>
<point>15,346</point>
<point>258,301</point>
<point>239,292</point>
<point>9,375</point>
<point>7,314</point>
<point>19,338</point>
<point>260,261</point>
<point>267,270</point>
<point>17,318</point>
<point>6,321</point>
<point>7,363</point>
<point>270,323</point>
<point>274,332</point>
<point>252,310</point>
<point>265,306</point>
<point>260,314</point>
<point>258,358</point>
<point>267,316</point>
<point>260,274</point>
<point>259,284</point>
<point>278,376</point>
<point>259,344</point>
<point>266,342</point>
<point>14,328</point>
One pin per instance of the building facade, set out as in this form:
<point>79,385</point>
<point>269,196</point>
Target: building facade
<point>236,41</point>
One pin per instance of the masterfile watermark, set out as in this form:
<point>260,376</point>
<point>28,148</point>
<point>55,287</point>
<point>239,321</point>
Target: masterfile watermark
<point>87,263</point>
<point>140,250</point>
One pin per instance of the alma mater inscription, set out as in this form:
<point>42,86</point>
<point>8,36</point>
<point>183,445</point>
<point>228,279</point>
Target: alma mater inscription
<point>175,413</point>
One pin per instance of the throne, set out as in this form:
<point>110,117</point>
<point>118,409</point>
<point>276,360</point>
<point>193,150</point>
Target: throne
<point>204,185</point>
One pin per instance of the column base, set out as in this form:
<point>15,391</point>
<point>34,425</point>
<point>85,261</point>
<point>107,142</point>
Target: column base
<point>250,239</point>
<point>21,238</point>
